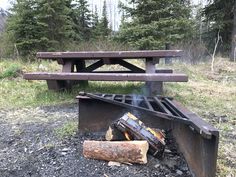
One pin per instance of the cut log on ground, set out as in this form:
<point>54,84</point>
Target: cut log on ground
<point>118,151</point>
<point>113,134</point>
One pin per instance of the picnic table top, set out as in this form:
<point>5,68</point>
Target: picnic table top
<point>136,54</point>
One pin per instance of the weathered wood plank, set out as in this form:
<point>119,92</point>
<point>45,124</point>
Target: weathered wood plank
<point>111,54</point>
<point>158,77</point>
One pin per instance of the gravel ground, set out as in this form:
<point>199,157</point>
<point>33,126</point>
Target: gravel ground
<point>29,147</point>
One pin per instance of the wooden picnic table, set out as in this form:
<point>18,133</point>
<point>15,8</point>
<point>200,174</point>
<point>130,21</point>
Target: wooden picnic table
<point>74,68</point>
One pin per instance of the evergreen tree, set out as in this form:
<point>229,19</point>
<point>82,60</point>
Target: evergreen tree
<point>95,19</point>
<point>24,28</point>
<point>219,16</point>
<point>95,24</point>
<point>104,29</point>
<point>156,22</point>
<point>82,19</point>
<point>38,25</point>
<point>54,16</point>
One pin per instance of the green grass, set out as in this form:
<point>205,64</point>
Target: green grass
<point>11,72</point>
<point>211,95</point>
<point>67,130</point>
<point>17,93</point>
<point>20,93</point>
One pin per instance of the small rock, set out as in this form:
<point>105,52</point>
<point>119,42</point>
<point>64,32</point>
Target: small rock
<point>111,163</point>
<point>158,164</point>
<point>167,151</point>
<point>184,168</point>
<point>63,153</point>
<point>179,172</point>
<point>65,149</point>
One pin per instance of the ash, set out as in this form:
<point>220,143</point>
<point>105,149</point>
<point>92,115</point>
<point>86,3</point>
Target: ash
<point>29,147</point>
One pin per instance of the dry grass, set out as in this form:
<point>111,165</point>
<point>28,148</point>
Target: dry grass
<point>213,97</point>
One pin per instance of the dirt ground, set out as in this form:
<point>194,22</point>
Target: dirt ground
<point>30,147</point>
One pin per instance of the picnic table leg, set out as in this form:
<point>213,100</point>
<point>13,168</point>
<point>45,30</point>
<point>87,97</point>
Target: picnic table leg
<point>57,85</point>
<point>152,88</point>
<point>80,65</point>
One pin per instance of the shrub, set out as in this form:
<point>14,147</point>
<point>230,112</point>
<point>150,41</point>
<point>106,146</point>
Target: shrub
<point>12,71</point>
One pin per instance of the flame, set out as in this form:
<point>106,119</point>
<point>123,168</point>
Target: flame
<point>159,135</point>
<point>132,116</point>
<point>127,136</point>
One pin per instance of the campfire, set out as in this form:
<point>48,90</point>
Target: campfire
<point>136,125</point>
<point>127,140</point>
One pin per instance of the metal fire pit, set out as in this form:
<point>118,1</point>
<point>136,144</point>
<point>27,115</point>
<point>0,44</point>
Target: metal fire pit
<point>196,139</point>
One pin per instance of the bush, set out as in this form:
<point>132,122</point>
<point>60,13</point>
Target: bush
<point>13,71</point>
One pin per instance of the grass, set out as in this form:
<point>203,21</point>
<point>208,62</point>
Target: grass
<point>17,93</point>
<point>211,95</point>
<point>67,130</point>
<point>11,72</point>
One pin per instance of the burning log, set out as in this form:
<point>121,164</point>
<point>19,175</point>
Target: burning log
<point>119,151</point>
<point>134,129</point>
<point>113,134</point>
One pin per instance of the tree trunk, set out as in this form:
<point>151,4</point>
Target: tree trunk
<point>233,45</point>
<point>118,151</point>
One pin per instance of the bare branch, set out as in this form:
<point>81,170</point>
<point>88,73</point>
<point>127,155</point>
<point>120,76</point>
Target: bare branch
<point>214,52</point>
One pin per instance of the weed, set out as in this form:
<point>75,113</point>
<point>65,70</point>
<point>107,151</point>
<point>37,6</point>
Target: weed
<point>67,130</point>
<point>12,71</point>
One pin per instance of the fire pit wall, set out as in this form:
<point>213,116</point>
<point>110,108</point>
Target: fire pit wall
<point>198,149</point>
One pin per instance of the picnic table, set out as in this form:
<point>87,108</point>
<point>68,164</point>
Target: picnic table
<point>75,70</point>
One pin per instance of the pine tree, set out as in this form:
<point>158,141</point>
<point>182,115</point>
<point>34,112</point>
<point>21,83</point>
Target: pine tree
<point>82,19</point>
<point>54,16</point>
<point>95,19</point>
<point>24,28</point>
<point>95,24</point>
<point>219,16</point>
<point>105,31</point>
<point>156,22</point>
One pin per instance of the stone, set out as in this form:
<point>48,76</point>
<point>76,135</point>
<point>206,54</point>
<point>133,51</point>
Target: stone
<point>112,163</point>
<point>179,172</point>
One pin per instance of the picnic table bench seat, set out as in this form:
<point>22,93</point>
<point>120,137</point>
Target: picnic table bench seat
<point>158,77</point>
<point>59,81</point>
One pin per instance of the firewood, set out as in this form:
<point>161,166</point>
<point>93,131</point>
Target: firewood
<point>113,134</point>
<point>118,151</point>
